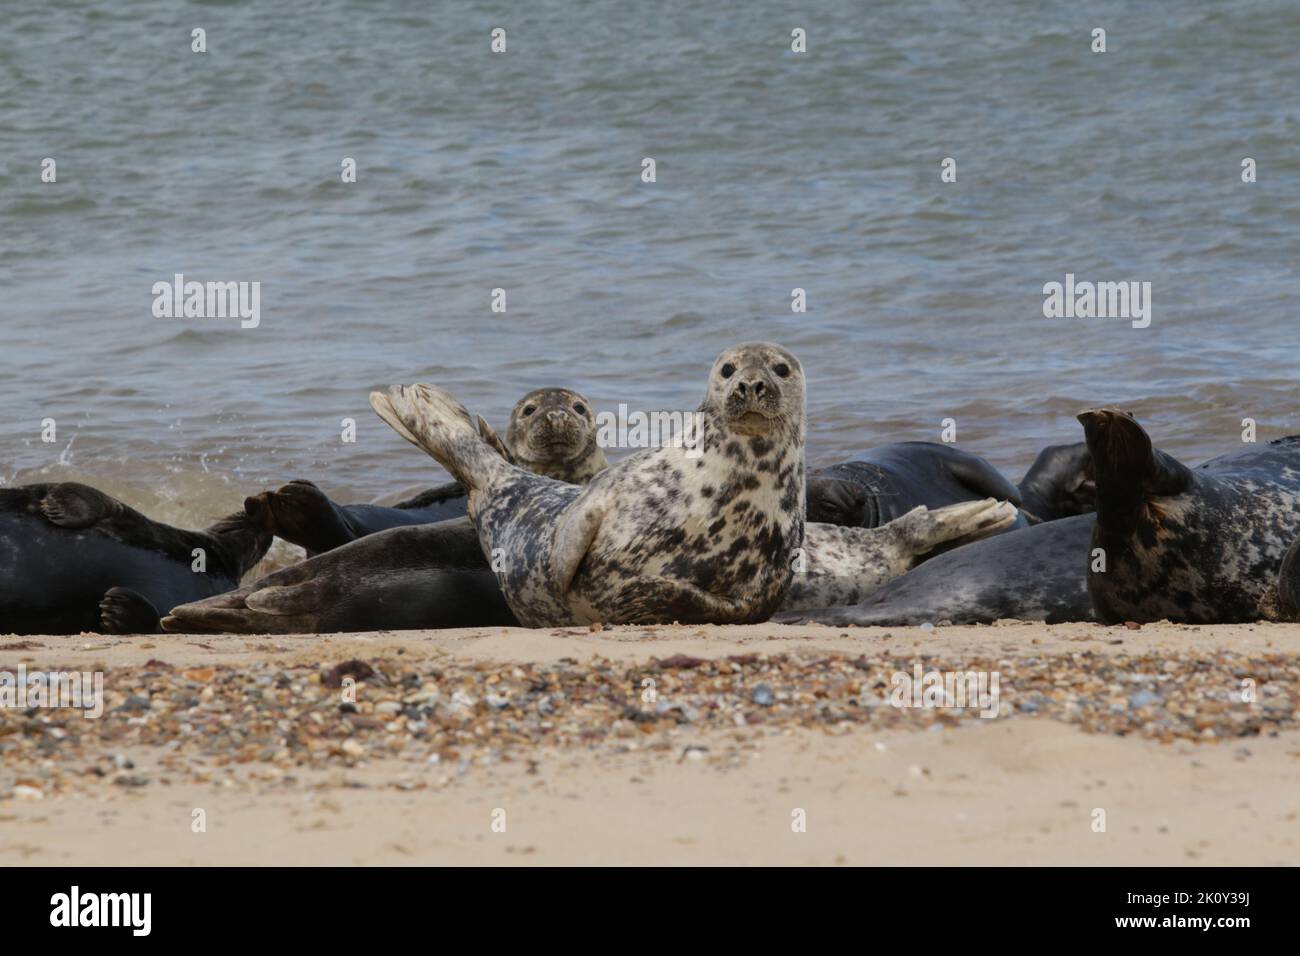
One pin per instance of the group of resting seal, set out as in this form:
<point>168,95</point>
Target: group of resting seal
<point>539,529</point>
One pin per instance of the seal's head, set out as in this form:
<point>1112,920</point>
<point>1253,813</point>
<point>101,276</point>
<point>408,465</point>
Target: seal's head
<point>553,432</point>
<point>1060,483</point>
<point>837,501</point>
<point>757,390</point>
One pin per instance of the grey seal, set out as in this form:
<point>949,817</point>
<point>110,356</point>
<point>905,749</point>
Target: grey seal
<point>704,533</point>
<point>1195,545</point>
<point>552,432</point>
<point>420,576</point>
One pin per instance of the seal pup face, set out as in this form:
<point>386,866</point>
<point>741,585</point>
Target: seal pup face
<point>757,390</point>
<point>552,432</point>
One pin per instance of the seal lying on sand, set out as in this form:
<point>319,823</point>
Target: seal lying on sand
<point>1038,573</point>
<point>1194,545</point>
<point>435,576</point>
<point>431,575</point>
<point>75,559</point>
<point>1059,484</point>
<point>704,533</point>
<point>552,432</point>
<point>884,483</point>
<point>845,565</point>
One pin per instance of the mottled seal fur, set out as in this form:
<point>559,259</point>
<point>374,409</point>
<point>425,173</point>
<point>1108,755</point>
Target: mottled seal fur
<point>842,565</point>
<point>436,576</point>
<point>1288,584</point>
<point>74,559</point>
<point>693,534</point>
<point>420,576</point>
<point>1195,545</point>
<point>1037,573</point>
<point>881,484</point>
<point>552,432</point>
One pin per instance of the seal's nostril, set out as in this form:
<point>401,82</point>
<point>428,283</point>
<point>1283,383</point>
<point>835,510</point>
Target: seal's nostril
<point>740,388</point>
<point>758,389</point>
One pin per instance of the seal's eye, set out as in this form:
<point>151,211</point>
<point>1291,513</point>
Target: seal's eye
<point>580,408</point>
<point>782,370</point>
<point>728,370</point>
<point>529,409</point>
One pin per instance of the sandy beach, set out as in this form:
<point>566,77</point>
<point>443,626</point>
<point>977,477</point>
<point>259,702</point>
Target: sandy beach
<point>764,744</point>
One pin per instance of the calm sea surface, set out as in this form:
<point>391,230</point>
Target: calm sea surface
<point>522,171</point>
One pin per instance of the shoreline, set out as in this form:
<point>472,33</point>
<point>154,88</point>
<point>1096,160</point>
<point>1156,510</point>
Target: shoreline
<point>550,734</point>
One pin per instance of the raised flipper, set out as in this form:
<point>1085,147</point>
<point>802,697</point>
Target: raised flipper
<point>432,419</point>
<point>72,505</point>
<point>490,436</point>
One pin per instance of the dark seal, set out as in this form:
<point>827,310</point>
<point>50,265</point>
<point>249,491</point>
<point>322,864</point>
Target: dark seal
<point>552,432</point>
<point>74,559</point>
<point>1195,545</point>
<point>885,483</point>
<point>424,576</point>
<point>1059,484</point>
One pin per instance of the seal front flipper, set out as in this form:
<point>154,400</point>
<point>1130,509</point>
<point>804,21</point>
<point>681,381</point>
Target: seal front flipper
<point>72,505</point>
<point>489,435</point>
<point>574,533</point>
<point>927,529</point>
<point>123,611</point>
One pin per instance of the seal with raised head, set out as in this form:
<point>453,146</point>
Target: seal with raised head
<point>74,559</point>
<point>1195,545</point>
<point>436,576</point>
<point>703,533</point>
<point>421,576</point>
<point>552,432</point>
<point>884,483</point>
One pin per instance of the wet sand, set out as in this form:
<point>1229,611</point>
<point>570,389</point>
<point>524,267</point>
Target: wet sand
<point>750,745</point>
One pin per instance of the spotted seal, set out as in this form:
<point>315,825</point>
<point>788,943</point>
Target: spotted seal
<point>436,576</point>
<point>698,533</point>
<point>552,432</point>
<point>1195,545</point>
<point>73,559</point>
